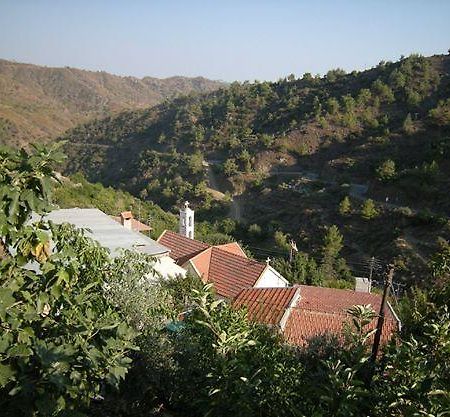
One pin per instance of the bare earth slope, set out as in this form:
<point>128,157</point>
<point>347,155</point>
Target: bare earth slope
<point>39,103</point>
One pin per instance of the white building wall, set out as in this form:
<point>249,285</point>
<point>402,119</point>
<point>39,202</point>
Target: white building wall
<point>271,279</point>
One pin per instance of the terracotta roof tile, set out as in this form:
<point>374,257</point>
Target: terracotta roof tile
<point>266,305</point>
<point>226,266</point>
<point>231,273</point>
<point>315,312</point>
<point>181,248</point>
<point>233,247</point>
<point>303,325</point>
<point>324,310</point>
<point>202,262</point>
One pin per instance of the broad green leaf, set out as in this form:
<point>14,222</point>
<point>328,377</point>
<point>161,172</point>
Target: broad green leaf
<point>6,374</point>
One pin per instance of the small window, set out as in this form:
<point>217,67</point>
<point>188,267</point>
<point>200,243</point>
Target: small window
<point>190,221</point>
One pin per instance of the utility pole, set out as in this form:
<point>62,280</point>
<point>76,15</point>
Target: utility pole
<point>377,338</point>
<point>371,265</point>
<point>293,248</point>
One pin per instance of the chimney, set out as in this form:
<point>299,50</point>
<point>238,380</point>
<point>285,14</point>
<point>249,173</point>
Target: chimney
<point>187,221</point>
<point>363,285</point>
<point>126,218</point>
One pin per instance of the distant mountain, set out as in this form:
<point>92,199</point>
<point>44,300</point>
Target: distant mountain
<point>39,103</point>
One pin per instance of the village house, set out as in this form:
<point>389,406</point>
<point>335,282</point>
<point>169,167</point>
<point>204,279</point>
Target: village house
<point>226,266</point>
<point>116,236</point>
<point>303,312</point>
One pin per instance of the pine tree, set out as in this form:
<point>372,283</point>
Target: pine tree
<point>345,206</point>
<point>408,125</point>
<point>368,210</point>
<point>387,170</point>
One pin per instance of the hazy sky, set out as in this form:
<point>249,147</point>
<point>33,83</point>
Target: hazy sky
<point>223,39</point>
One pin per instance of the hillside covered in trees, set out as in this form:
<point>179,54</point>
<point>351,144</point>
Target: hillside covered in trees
<point>298,154</point>
<point>39,103</point>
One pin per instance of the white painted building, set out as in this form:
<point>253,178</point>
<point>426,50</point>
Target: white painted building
<point>115,237</point>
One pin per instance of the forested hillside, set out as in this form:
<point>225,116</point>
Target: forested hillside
<point>291,151</point>
<point>39,103</point>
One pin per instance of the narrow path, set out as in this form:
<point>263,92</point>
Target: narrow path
<point>236,209</point>
<point>214,187</point>
<point>213,184</point>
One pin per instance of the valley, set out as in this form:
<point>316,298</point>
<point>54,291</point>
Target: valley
<point>281,157</point>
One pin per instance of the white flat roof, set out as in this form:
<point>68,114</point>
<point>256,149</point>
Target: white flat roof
<point>106,231</point>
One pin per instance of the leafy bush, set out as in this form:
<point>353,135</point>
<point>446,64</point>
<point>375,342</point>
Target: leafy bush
<point>61,341</point>
<point>368,210</point>
<point>386,170</point>
<point>345,206</point>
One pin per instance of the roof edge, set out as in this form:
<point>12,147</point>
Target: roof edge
<point>288,310</point>
<point>399,322</point>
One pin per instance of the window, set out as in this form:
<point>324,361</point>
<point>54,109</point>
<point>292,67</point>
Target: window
<point>190,221</point>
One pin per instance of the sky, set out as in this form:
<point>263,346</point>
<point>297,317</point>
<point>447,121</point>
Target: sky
<point>223,39</point>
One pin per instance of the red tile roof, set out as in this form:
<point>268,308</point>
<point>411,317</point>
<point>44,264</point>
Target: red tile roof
<point>316,311</point>
<point>332,300</point>
<point>266,305</point>
<point>231,273</point>
<point>232,247</point>
<point>226,266</point>
<point>202,262</point>
<point>181,248</point>
<point>324,310</point>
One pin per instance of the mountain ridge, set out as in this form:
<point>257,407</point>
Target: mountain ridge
<point>40,102</point>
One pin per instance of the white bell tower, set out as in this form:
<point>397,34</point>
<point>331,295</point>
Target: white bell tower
<point>187,221</point>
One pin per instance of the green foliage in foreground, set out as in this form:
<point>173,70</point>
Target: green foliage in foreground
<point>217,363</point>
<point>69,316</point>
<point>61,341</point>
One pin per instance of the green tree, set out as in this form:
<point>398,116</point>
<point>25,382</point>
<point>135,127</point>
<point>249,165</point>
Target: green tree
<point>246,158</point>
<point>440,261</point>
<point>230,167</point>
<point>408,125</point>
<point>61,340</point>
<point>255,230</point>
<point>332,105</point>
<point>368,209</point>
<point>440,115</point>
<point>383,91</point>
<point>345,206</point>
<point>332,245</point>
<point>387,170</point>
<point>302,270</point>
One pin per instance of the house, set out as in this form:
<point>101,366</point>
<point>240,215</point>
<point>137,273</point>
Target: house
<point>303,312</point>
<point>127,220</point>
<point>115,237</point>
<point>226,266</point>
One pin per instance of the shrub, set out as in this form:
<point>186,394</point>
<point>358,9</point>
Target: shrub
<point>345,206</point>
<point>61,340</point>
<point>408,125</point>
<point>387,170</point>
<point>368,210</point>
